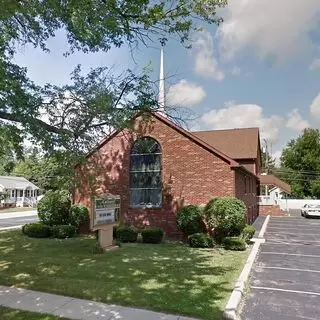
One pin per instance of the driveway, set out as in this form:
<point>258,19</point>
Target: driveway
<point>16,219</point>
<point>285,280</point>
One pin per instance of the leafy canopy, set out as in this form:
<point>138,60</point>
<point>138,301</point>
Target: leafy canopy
<point>300,164</point>
<point>73,116</point>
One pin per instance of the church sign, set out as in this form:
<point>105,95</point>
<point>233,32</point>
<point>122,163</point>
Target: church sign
<point>107,209</point>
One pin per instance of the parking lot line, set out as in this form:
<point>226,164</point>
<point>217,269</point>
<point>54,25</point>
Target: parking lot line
<point>290,269</point>
<point>285,290</point>
<point>291,254</point>
<point>294,234</point>
<point>270,241</point>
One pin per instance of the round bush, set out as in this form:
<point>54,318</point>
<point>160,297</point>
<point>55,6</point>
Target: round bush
<point>127,234</point>
<point>54,208</point>
<point>226,215</point>
<point>234,243</point>
<point>79,215</point>
<point>248,232</point>
<point>36,230</point>
<point>190,220</point>
<point>152,235</point>
<point>200,240</point>
<point>64,231</point>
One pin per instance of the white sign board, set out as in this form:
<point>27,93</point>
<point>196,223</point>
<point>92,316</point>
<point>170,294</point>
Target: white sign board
<point>107,209</point>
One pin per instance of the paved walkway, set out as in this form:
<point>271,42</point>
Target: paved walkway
<point>285,280</point>
<point>75,308</point>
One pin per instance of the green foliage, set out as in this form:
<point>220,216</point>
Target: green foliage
<point>90,26</point>
<point>189,220</point>
<point>127,234</point>
<point>152,235</point>
<point>234,243</point>
<point>114,231</point>
<point>36,230</point>
<point>79,215</point>
<point>63,231</point>
<point>248,232</point>
<point>226,215</point>
<point>200,240</point>
<point>300,165</point>
<point>54,208</point>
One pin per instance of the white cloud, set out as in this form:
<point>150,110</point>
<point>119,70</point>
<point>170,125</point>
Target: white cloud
<point>315,64</point>
<point>185,94</point>
<point>205,62</point>
<point>295,121</point>
<point>242,116</point>
<point>272,28</point>
<point>236,71</point>
<point>315,107</point>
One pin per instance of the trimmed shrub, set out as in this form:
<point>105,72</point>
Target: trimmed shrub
<point>54,208</point>
<point>79,215</point>
<point>248,232</point>
<point>36,230</point>
<point>190,220</point>
<point>226,215</point>
<point>234,243</point>
<point>127,234</point>
<point>64,231</point>
<point>152,235</point>
<point>200,240</point>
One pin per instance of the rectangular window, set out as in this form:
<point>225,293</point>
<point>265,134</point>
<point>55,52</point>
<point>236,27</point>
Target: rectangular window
<point>21,193</point>
<point>12,193</point>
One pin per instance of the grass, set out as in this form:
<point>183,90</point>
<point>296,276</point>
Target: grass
<point>166,277</point>
<point>20,209</point>
<point>12,314</point>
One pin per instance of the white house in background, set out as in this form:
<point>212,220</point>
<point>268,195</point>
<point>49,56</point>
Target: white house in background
<point>20,192</point>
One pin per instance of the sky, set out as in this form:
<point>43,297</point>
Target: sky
<point>260,68</point>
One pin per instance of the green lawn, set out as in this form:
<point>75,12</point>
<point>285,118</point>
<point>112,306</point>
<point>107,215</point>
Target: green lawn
<point>165,277</point>
<point>11,314</point>
<point>6,210</point>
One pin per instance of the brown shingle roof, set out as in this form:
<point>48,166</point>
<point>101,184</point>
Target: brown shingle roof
<point>236,143</point>
<point>272,180</point>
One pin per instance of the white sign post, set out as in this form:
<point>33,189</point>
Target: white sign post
<point>106,215</point>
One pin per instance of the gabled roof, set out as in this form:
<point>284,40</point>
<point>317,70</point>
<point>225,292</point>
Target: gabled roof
<point>242,143</point>
<point>274,181</point>
<point>194,138</point>
<point>11,182</point>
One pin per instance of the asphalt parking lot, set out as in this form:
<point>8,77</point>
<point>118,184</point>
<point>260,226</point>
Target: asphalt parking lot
<point>285,279</point>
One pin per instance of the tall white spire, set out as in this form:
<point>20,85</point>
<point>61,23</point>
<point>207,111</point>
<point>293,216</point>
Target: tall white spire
<point>161,98</point>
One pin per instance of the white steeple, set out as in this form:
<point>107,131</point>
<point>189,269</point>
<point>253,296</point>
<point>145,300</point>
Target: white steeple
<point>161,98</point>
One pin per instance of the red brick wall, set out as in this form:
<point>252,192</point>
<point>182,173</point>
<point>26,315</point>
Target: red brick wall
<point>246,190</point>
<point>191,175</point>
<point>272,210</point>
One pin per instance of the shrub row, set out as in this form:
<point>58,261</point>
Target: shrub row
<point>55,209</point>
<point>40,230</point>
<point>130,234</point>
<point>225,217</point>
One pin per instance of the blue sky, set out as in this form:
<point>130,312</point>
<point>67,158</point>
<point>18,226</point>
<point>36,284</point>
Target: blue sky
<point>260,68</point>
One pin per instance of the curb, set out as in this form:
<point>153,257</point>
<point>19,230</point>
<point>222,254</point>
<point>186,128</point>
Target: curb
<point>11,228</point>
<point>231,309</point>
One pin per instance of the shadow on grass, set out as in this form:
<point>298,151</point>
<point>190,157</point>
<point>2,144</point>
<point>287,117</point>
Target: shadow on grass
<point>166,277</point>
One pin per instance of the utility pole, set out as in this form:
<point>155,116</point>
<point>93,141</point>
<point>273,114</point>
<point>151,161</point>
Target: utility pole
<point>266,165</point>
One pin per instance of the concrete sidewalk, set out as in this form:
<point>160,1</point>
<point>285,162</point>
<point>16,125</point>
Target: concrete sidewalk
<point>72,308</point>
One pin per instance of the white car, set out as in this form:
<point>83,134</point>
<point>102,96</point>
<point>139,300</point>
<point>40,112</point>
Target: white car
<point>310,210</point>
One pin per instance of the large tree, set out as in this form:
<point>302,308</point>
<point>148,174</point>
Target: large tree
<point>300,164</point>
<point>69,116</point>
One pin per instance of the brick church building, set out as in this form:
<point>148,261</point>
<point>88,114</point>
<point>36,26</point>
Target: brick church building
<point>158,167</point>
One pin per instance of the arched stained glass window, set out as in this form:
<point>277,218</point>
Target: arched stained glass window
<point>145,173</point>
